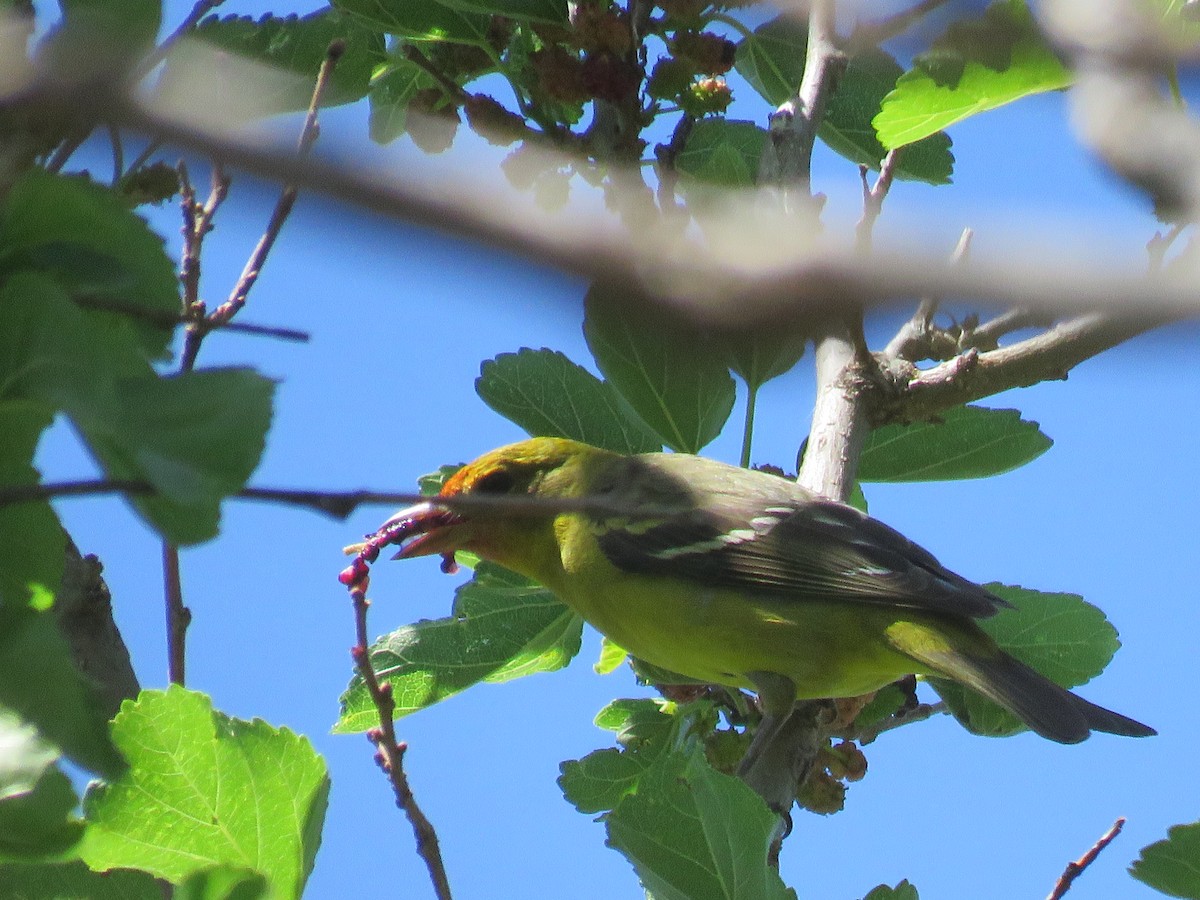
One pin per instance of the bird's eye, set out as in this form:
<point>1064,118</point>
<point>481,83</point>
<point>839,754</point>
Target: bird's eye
<point>497,482</point>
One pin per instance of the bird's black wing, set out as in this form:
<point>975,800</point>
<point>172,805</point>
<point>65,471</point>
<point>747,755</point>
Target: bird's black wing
<point>765,535</point>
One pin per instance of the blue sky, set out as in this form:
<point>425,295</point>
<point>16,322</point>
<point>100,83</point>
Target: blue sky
<point>401,319</point>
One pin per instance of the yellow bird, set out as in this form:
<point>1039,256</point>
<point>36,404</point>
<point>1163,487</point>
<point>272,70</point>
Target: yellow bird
<point>739,578</point>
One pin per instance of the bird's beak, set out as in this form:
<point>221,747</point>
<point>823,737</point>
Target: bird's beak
<point>424,530</point>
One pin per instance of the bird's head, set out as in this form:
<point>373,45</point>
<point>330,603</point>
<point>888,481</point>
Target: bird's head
<point>510,517</point>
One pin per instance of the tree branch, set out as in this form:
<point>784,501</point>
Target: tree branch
<point>1076,868</point>
<point>389,752</point>
<point>917,339</point>
<point>787,158</point>
<point>873,197</point>
<point>287,197</point>
<point>338,504</point>
<point>974,375</point>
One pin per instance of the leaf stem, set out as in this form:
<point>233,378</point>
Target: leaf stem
<point>748,426</point>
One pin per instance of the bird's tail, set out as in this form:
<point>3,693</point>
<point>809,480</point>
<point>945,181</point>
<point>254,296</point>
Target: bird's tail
<point>1048,709</point>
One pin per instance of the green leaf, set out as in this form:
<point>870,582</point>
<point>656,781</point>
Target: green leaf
<point>967,442</point>
<point>75,881</point>
<point>669,372</point>
<point>848,130</point>
<point>772,60</point>
<point>612,655</point>
<point>84,237</point>
<point>502,627</point>
<point>723,152</point>
<point>597,782</point>
<point>195,437</point>
<point>888,701</point>
<point>975,66</point>
<point>761,355</point>
<point>550,396</point>
<point>419,20</point>
<point>204,789</point>
<point>33,542</point>
<point>39,682</point>
<point>1061,635</point>
<point>299,44</point>
<point>224,883</point>
<point>1172,866</point>
<point>390,97</point>
<point>692,832</point>
<point>857,498</point>
<point>36,798</point>
<point>902,891</point>
<point>46,353</point>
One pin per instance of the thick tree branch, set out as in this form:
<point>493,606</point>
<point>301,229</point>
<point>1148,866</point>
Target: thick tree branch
<point>840,423</point>
<point>787,158</point>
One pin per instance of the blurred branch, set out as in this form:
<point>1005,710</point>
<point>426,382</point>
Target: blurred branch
<point>872,34</point>
<point>763,273</point>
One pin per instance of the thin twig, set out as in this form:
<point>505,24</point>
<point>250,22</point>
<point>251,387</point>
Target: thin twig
<point>340,504</point>
<point>1076,868</point>
<point>389,752</point>
<point>170,320</point>
<point>287,197</point>
<point>197,223</point>
<point>987,335</point>
<point>873,197</point>
<point>916,337</point>
<point>455,91</point>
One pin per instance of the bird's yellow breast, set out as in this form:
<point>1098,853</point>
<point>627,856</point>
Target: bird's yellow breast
<point>719,636</point>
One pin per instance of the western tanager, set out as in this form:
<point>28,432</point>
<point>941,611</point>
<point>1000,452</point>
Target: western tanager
<point>737,577</point>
